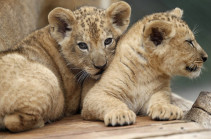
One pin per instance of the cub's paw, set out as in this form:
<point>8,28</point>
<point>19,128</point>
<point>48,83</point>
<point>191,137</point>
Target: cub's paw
<point>165,112</point>
<point>119,118</point>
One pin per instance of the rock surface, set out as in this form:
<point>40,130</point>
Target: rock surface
<point>18,18</point>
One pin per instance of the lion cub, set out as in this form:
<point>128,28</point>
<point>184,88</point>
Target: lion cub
<point>39,77</point>
<point>156,48</point>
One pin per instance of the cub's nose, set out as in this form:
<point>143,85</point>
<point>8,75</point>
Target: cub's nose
<point>204,56</point>
<point>100,66</point>
<point>204,59</point>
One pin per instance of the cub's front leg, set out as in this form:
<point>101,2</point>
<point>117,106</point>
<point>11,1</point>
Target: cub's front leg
<point>159,107</point>
<point>99,105</point>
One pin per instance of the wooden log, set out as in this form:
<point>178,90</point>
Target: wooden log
<point>182,103</point>
<point>75,127</point>
<point>201,110</point>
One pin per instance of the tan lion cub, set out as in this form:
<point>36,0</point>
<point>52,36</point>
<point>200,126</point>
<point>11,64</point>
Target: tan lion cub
<point>156,48</point>
<point>38,77</point>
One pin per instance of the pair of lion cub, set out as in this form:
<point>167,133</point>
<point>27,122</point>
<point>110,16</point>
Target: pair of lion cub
<point>42,77</point>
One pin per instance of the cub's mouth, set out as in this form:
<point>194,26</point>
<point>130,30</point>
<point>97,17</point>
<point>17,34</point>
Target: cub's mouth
<point>191,69</point>
<point>194,67</point>
<point>100,72</point>
<point>97,74</point>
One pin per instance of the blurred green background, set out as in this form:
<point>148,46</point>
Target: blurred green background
<point>196,13</point>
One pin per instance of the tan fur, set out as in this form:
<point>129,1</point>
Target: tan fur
<point>138,79</point>
<point>39,77</point>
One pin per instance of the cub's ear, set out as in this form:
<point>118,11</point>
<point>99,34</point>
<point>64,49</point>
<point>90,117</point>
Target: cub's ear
<point>61,22</point>
<point>118,15</point>
<point>177,12</point>
<point>158,31</point>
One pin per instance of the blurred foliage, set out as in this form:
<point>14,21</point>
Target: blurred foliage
<point>196,13</point>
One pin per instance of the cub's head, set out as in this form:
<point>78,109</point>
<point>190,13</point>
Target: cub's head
<point>88,36</point>
<point>171,45</point>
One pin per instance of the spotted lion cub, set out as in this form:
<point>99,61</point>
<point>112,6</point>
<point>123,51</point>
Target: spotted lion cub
<point>38,80</point>
<point>156,48</point>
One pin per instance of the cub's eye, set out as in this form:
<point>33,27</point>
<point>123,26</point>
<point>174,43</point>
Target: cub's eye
<point>190,42</point>
<point>82,45</point>
<point>108,41</point>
